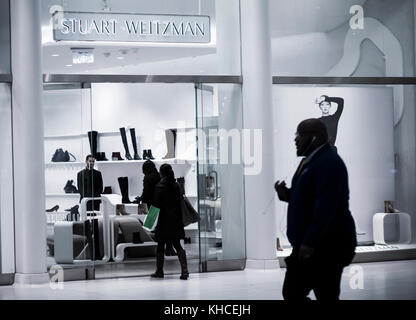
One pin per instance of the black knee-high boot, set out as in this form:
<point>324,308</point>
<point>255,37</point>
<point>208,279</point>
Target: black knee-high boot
<point>184,265</point>
<point>160,258</point>
<point>92,137</point>
<point>124,189</point>
<point>126,146</point>
<point>134,142</point>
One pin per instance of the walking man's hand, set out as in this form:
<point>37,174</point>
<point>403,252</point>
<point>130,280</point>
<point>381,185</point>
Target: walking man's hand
<point>282,190</point>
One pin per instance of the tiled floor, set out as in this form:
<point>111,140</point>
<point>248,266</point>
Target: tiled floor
<point>381,280</point>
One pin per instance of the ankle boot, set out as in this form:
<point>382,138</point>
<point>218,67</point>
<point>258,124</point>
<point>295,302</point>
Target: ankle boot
<point>126,146</point>
<point>184,265</point>
<point>124,189</point>
<point>149,154</point>
<point>116,156</point>
<point>92,137</point>
<point>160,257</point>
<point>145,156</point>
<point>101,156</point>
<point>134,142</point>
<point>170,143</point>
<point>120,210</point>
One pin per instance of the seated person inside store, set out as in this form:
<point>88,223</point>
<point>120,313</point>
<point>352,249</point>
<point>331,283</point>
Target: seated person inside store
<point>90,185</point>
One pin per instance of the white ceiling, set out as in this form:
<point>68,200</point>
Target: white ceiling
<point>314,15</point>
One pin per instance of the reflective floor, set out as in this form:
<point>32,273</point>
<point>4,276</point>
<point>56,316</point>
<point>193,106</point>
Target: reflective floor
<point>366,281</point>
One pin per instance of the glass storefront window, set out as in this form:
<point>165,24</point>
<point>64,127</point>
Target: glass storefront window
<point>343,38</point>
<point>4,37</point>
<point>221,174</point>
<point>374,133</point>
<point>67,120</point>
<point>134,122</point>
<point>219,55</point>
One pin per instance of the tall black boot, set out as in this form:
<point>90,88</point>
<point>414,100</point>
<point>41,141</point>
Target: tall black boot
<point>124,189</point>
<point>184,265</point>
<point>134,142</point>
<point>126,146</point>
<point>92,137</point>
<point>170,143</point>
<point>160,258</point>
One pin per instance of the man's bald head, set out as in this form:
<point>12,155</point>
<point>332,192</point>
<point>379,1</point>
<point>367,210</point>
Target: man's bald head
<point>315,127</point>
<point>311,134</point>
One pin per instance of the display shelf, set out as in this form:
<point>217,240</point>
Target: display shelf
<point>174,160</point>
<point>82,135</point>
<point>110,162</point>
<point>100,134</point>
<point>64,164</point>
<point>66,195</point>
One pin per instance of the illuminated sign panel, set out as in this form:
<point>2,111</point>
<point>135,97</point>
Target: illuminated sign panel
<point>82,26</point>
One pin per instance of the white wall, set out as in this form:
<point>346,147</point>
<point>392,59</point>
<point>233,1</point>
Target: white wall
<point>364,141</point>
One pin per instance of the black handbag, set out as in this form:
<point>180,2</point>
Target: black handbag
<point>70,188</point>
<point>62,156</point>
<point>189,214</point>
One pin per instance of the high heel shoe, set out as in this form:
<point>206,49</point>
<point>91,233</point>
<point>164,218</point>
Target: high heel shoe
<point>55,208</point>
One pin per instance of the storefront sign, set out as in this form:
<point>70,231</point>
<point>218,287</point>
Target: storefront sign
<point>77,26</point>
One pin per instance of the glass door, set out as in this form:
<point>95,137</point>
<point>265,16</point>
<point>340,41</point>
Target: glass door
<point>220,176</point>
<point>72,224</point>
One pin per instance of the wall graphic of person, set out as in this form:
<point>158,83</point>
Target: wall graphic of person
<point>330,121</point>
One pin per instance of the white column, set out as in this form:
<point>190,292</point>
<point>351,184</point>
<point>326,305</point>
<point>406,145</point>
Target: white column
<point>257,105</point>
<point>28,156</point>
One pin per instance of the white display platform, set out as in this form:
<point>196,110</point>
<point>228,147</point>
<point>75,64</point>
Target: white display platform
<point>379,227</point>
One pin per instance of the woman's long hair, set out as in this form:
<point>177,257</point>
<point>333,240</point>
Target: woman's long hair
<point>166,172</point>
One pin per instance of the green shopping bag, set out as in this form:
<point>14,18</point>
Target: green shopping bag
<point>151,218</point>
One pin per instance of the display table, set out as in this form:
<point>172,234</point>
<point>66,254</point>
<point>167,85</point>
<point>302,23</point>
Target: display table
<point>110,202</point>
<point>405,227</point>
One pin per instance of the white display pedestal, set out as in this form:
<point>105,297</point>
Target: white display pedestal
<point>405,227</point>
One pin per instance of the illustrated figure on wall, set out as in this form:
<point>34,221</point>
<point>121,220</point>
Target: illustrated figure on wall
<point>330,121</point>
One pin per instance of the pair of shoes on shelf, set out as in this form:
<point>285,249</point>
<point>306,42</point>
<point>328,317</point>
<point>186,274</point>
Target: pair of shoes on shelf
<point>116,156</point>
<point>121,210</point>
<point>100,156</point>
<point>93,137</point>
<point>126,146</point>
<point>147,154</point>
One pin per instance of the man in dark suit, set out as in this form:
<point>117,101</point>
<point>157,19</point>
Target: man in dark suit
<point>320,227</point>
<point>90,184</point>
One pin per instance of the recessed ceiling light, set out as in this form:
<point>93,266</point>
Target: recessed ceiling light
<point>120,58</point>
<point>82,55</point>
<point>68,65</point>
<point>55,55</point>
